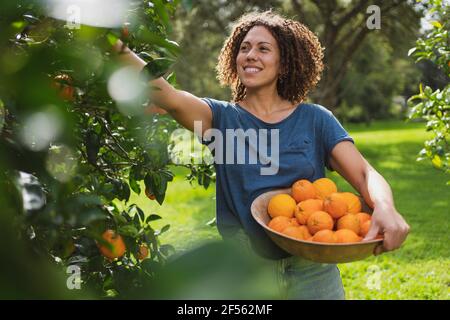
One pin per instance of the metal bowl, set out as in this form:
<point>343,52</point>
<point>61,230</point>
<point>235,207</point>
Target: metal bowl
<point>314,251</point>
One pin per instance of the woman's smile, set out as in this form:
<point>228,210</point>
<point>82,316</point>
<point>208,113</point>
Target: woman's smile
<point>251,70</point>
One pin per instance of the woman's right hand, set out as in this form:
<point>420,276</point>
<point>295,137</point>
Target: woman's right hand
<point>183,106</point>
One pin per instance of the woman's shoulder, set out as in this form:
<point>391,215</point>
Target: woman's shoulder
<point>316,110</point>
<point>218,102</point>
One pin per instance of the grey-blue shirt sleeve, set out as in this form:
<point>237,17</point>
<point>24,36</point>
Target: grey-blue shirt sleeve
<point>332,133</point>
<point>216,107</point>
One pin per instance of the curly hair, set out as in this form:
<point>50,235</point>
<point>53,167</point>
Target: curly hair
<point>301,55</point>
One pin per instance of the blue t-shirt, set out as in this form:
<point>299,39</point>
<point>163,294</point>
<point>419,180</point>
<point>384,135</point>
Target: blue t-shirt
<point>306,139</point>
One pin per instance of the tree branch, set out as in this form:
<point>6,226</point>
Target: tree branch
<point>298,9</point>
<point>125,153</point>
<point>349,15</point>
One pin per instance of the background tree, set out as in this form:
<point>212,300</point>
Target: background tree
<point>377,83</point>
<point>343,30</point>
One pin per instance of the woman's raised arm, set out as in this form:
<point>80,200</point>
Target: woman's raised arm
<point>183,106</point>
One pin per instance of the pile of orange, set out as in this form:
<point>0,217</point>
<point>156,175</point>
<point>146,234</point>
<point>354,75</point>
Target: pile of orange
<point>316,211</point>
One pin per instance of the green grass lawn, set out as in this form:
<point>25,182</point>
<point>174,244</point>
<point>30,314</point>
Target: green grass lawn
<point>419,270</point>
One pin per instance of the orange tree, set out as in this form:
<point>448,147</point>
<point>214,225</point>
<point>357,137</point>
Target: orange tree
<point>433,104</point>
<point>69,151</point>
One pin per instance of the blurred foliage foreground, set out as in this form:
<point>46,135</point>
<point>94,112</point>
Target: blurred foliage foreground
<point>76,133</point>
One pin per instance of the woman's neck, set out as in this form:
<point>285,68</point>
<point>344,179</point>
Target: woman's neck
<point>265,103</point>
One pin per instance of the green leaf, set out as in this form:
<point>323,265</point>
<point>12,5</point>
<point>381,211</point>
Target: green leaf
<point>437,162</point>
<point>18,25</point>
<point>120,220</point>
<point>165,228</point>
<point>125,192</point>
<point>112,38</point>
<point>166,249</point>
<point>140,213</point>
<point>167,174</point>
<point>411,51</point>
<point>162,13</point>
<point>436,24</point>
<point>157,68</point>
<point>149,183</point>
<point>128,230</point>
<point>148,36</point>
<point>134,178</point>
<point>134,185</point>
<point>212,222</point>
<point>153,217</point>
<point>156,183</point>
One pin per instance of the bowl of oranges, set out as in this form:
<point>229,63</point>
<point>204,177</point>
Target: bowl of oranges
<point>315,221</point>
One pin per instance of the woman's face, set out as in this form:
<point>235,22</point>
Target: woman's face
<point>258,60</point>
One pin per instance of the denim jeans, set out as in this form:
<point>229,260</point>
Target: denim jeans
<point>301,279</point>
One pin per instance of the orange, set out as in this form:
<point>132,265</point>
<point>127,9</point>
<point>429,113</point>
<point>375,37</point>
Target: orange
<point>319,220</point>
<point>294,222</point>
<point>363,217</point>
<point>346,235</point>
<point>280,223</point>
<point>353,202</point>
<point>326,236</point>
<point>304,209</point>
<point>303,190</point>
<point>117,248</point>
<point>349,221</point>
<point>125,32</point>
<point>281,205</point>
<point>324,187</point>
<point>143,252</point>
<point>149,195</point>
<point>305,231</point>
<point>335,205</point>
<point>63,82</point>
<point>365,227</point>
<point>300,233</point>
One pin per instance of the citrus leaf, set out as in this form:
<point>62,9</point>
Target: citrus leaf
<point>128,230</point>
<point>153,217</point>
<point>436,24</point>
